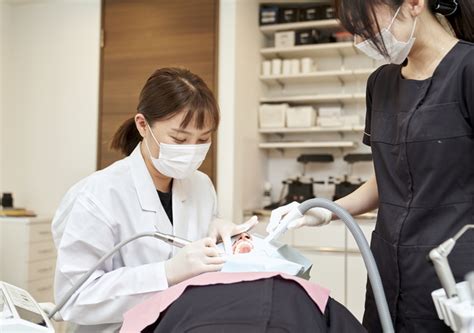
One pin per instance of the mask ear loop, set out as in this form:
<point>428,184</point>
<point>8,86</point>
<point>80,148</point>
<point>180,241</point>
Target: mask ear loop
<point>394,17</point>
<point>153,135</point>
<point>148,148</point>
<point>414,27</point>
<point>393,20</point>
<point>154,138</point>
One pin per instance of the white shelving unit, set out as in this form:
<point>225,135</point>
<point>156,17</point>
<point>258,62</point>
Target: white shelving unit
<point>333,84</point>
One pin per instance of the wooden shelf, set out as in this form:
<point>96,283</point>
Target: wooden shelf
<point>342,76</point>
<point>296,145</point>
<point>311,130</point>
<point>314,50</point>
<point>319,24</point>
<point>314,98</point>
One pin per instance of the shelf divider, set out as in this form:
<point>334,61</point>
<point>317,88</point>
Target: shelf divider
<point>296,145</point>
<point>313,50</point>
<point>311,129</point>
<point>305,99</point>
<point>318,24</point>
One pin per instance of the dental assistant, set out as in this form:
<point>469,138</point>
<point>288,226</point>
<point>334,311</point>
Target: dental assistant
<point>419,125</point>
<point>156,187</point>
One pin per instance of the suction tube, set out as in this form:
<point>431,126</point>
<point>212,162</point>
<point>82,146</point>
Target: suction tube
<point>372,270</point>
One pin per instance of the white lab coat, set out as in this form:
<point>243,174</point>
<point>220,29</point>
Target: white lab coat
<point>107,207</point>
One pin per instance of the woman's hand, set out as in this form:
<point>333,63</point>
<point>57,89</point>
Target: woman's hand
<point>313,217</point>
<point>224,230</point>
<point>196,258</point>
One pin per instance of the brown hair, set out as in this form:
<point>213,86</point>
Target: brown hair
<point>166,93</point>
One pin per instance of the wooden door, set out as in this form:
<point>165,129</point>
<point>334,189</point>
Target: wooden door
<point>140,36</point>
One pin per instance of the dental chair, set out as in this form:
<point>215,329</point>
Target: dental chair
<point>272,305</point>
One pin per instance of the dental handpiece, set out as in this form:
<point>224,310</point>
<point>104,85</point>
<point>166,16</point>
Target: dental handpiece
<point>173,240</point>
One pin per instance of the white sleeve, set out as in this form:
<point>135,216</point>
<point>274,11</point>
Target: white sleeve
<point>215,207</point>
<point>109,292</point>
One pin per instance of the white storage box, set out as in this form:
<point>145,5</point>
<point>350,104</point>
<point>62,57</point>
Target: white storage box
<point>272,115</point>
<point>331,111</point>
<point>330,122</point>
<point>353,120</point>
<point>304,116</point>
<point>285,39</point>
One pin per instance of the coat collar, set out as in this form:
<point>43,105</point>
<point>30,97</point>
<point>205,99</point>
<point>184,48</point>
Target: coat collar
<point>146,190</point>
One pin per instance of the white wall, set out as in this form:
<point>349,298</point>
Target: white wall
<point>4,21</point>
<point>250,174</point>
<point>50,99</point>
<point>237,153</point>
<point>226,97</point>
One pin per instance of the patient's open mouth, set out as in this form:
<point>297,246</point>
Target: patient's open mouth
<point>243,244</point>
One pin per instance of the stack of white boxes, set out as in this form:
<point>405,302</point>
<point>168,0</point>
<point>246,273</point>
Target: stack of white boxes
<point>334,117</point>
<point>273,115</point>
<point>302,116</point>
<point>282,115</point>
<point>330,116</point>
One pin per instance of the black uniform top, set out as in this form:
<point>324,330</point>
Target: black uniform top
<point>421,135</point>
<point>166,199</point>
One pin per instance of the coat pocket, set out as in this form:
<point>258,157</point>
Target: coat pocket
<point>436,122</point>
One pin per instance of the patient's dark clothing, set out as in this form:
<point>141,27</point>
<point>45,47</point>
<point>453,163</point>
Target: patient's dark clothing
<point>273,305</point>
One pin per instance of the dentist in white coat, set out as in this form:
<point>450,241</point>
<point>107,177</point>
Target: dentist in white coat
<point>157,187</point>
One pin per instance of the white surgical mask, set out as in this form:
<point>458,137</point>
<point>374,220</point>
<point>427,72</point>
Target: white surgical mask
<point>397,51</point>
<point>178,161</point>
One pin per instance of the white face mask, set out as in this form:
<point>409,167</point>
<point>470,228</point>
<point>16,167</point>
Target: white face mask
<point>178,161</point>
<point>397,51</point>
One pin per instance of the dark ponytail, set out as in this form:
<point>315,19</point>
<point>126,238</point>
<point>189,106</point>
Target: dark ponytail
<point>462,20</point>
<point>126,138</point>
<point>166,93</point>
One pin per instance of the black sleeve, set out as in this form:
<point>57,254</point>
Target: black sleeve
<point>368,113</point>
<point>467,87</point>
<point>368,102</point>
